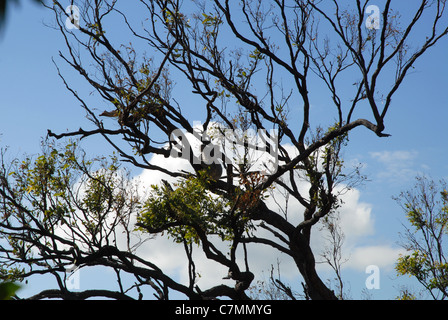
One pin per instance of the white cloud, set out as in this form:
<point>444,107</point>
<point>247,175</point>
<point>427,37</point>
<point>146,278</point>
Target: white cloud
<point>356,216</point>
<point>164,253</point>
<point>382,256</point>
<point>394,157</point>
<point>149,177</point>
<point>357,222</point>
<point>397,166</point>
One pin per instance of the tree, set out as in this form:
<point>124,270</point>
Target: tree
<point>247,65</point>
<point>332,254</point>
<point>57,206</point>
<point>426,209</point>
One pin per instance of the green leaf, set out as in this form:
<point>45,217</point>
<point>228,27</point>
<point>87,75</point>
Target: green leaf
<point>8,289</point>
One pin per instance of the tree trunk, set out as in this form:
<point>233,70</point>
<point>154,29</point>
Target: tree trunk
<point>304,259</point>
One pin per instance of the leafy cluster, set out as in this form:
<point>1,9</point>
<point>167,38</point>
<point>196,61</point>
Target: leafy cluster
<point>8,290</point>
<point>190,211</point>
<point>185,210</point>
<point>59,207</point>
<point>426,208</point>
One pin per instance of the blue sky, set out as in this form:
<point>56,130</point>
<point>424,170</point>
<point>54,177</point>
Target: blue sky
<point>34,99</point>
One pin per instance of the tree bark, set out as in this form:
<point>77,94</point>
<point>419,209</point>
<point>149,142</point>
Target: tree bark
<point>304,259</point>
<point>300,251</point>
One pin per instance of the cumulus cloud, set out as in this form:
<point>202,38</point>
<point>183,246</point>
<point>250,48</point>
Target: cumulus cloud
<point>356,216</point>
<point>382,256</point>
